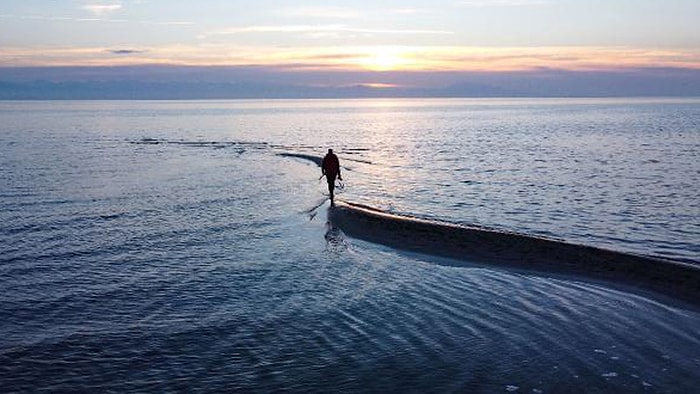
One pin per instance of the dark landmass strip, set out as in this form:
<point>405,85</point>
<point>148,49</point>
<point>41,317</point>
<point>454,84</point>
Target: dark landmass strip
<point>191,82</point>
<point>499,248</point>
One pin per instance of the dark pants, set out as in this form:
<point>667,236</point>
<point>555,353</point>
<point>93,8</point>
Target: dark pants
<point>331,186</point>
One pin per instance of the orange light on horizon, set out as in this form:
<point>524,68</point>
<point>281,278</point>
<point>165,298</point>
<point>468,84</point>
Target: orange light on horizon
<point>376,59</point>
<point>379,85</point>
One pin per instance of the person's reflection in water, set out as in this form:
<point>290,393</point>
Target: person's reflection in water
<point>335,240</point>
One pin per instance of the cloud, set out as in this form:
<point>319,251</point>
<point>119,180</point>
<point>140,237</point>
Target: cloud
<point>315,29</point>
<point>125,51</point>
<point>93,20</point>
<point>322,12</point>
<point>501,3</point>
<point>60,18</point>
<point>344,12</point>
<point>408,11</point>
<point>102,9</point>
<point>166,23</point>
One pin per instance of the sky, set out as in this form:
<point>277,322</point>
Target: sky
<point>373,40</point>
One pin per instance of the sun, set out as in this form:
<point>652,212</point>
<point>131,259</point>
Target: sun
<point>385,59</point>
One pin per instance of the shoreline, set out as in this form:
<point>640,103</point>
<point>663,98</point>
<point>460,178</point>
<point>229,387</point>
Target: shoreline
<point>680,281</point>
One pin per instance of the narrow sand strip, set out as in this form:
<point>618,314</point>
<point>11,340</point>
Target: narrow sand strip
<point>670,278</point>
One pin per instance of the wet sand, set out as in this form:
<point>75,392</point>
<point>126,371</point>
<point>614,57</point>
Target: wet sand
<point>523,252</point>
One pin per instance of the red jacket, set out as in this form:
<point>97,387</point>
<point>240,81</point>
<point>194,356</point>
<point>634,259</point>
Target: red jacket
<point>330,165</point>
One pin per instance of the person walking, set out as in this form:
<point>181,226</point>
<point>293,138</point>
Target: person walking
<point>330,167</point>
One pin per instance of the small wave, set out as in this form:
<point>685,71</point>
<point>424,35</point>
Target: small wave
<point>358,160</point>
<point>520,251</point>
<point>315,159</point>
<point>202,144</point>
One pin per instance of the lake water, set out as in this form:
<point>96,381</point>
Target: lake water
<point>168,246</point>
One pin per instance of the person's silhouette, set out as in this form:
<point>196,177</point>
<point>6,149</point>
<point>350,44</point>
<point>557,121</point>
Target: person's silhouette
<point>330,167</point>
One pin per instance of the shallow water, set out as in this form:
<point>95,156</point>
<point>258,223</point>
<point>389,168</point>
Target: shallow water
<point>134,259</point>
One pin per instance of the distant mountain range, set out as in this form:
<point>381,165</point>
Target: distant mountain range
<point>46,90</point>
<point>173,83</point>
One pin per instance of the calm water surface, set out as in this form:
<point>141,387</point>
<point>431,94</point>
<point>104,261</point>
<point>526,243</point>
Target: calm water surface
<point>153,246</point>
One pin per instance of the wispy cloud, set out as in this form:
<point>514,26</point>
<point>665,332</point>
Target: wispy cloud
<point>102,9</point>
<point>345,13</point>
<point>166,23</point>
<point>125,51</point>
<point>315,29</point>
<point>60,18</point>
<point>102,20</point>
<point>408,11</point>
<point>501,3</point>
<point>322,12</point>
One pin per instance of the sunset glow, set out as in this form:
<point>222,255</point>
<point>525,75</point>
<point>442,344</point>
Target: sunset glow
<point>486,36</point>
<point>385,59</point>
<point>360,58</point>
